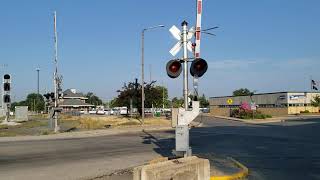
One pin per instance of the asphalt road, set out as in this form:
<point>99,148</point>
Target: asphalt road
<point>287,150</point>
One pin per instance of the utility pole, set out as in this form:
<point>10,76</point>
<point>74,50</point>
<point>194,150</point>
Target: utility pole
<point>163,95</point>
<point>142,68</point>
<point>55,78</point>
<point>142,75</point>
<point>38,91</point>
<point>38,71</point>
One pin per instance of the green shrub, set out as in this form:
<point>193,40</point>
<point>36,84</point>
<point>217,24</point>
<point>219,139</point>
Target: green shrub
<point>305,111</point>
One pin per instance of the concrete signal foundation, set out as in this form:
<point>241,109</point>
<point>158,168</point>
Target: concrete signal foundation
<point>188,168</point>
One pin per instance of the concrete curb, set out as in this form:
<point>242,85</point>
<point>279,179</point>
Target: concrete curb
<point>244,172</point>
<point>271,120</point>
<point>86,134</point>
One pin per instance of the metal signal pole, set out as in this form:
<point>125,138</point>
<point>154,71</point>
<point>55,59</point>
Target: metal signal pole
<point>185,64</point>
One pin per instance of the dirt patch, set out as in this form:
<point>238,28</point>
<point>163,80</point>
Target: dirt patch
<point>125,174</point>
<point>39,124</point>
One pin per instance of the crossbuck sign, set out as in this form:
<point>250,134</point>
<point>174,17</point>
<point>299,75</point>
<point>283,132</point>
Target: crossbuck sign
<point>177,35</point>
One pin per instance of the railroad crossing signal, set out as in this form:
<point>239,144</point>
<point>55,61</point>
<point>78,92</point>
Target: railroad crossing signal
<point>198,67</point>
<point>174,68</point>
<point>178,35</point>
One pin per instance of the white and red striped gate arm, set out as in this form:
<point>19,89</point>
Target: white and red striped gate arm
<point>198,28</point>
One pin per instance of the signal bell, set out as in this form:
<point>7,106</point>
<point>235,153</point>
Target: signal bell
<point>174,68</point>
<point>198,67</point>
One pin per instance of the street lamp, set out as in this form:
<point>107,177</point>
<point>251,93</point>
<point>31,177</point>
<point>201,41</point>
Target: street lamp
<point>142,66</point>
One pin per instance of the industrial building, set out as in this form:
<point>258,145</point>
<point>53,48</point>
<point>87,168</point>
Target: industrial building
<point>276,103</point>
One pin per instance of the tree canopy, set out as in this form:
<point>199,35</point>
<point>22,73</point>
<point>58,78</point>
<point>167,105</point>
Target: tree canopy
<point>179,102</point>
<point>154,95</point>
<point>203,101</point>
<point>316,101</point>
<point>93,99</point>
<point>242,92</point>
<point>34,101</point>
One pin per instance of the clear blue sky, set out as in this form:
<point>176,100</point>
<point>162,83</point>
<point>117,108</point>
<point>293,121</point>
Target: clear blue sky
<point>266,45</point>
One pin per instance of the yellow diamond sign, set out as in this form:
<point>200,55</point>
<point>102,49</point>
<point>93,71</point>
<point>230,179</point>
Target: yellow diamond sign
<point>229,101</point>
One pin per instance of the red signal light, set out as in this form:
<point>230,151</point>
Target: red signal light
<point>198,67</point>
<point>173,68</point>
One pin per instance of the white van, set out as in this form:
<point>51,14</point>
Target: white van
<point>123,110</point>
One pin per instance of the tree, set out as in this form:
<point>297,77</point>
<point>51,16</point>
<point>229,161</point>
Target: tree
<point>93,99</point>
<point>203,101</point>
<point>154,95</point>
<point>177,102</point>
<point>316,101</point>
<point>242,92</point>
<point>34,101</point>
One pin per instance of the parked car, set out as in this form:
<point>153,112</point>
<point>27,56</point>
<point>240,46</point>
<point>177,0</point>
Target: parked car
<point>107,112</point>
<point>123,110</point>
<point>100,112</point>
<point>93,111</point>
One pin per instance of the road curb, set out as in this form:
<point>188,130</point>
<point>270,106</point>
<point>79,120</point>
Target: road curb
<point>265,121</point>
<point>244,172</point>
<point>85,134</point>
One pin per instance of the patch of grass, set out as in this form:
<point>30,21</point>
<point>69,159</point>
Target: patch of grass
<point>38,117</point>
<point>33,123</point>
<point>46,132</point>
<point>129,123</point>
<point>4,127</point>
<point>304,112</point>
<point>91,124</point>
<point>8,133</point>
<point>255,116</point>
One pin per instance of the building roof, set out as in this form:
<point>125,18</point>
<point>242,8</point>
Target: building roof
<point>281,92</point>
<point>74,103</point>
<point>69,94</point>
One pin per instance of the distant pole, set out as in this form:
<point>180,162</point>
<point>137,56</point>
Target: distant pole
<point>162,95</point>
<point>55,61</point>
<point>38,81</point>
<point>142,75</point>
<point>150,72</point>
<point>311,85</point>
<point>142,68</point>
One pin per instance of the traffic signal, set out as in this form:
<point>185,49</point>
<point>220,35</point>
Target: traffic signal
<point>6,98</point>
<point>47,96</point>
<point>198,67</point>
<point>174,68</point>
<point>6,88</point>
<point>52,96</point>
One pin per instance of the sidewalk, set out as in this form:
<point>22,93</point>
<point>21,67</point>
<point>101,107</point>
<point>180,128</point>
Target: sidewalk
<point>270,120</point>
<point>89,133</point>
